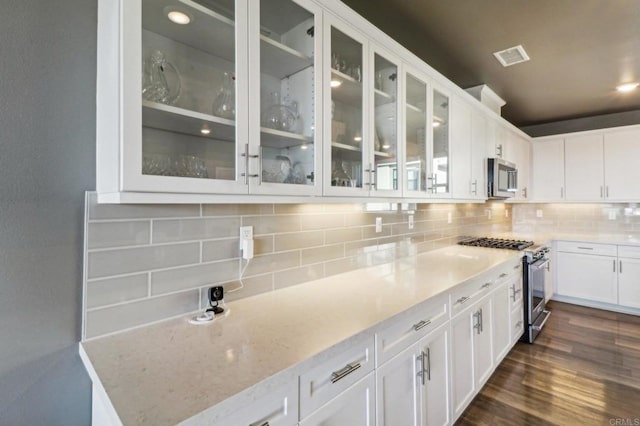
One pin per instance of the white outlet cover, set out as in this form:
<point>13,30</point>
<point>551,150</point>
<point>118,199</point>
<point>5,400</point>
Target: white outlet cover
<point>449,217</point>
<point>378,224</point>
<point>612,215</point>
<point>246,232</point>
<point>410,221</point>
<point>539,213</point>
<point>506,213</point>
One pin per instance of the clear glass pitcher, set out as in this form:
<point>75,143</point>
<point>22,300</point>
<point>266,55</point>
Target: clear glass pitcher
<point>161,80</point>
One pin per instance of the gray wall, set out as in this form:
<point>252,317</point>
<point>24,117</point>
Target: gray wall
<point>47,161</point>
<point>581,124</point>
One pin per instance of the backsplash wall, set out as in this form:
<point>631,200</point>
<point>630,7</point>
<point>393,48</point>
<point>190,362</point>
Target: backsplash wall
<point>601,219</point>
<point>145,263</point>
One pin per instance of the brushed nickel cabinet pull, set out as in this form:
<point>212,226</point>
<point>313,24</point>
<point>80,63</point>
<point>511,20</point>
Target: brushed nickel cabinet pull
<point>614,265</point>
<point>486,285</point>
<point>503,275</point>
<point>561,192</point>
<point>421,324</point>
<point>428,364</point>
<point>462,299</point>
<point>585,248</point>
<point>342,373</point>
<point>422,367</point>
<point>620,268</point>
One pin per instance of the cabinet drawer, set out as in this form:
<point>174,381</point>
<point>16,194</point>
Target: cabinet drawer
<point>509,271</point>
<point>333,376</point>
<point>412,326</point>
<point>629,251</point>
<point>587,248</point>
<point>517,323</point>
<point>278,408</point>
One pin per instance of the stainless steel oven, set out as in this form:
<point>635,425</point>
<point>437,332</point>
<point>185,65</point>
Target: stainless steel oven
<point>535,263</point>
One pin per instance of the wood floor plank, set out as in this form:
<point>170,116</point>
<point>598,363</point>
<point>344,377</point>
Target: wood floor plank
<point>583,369</point>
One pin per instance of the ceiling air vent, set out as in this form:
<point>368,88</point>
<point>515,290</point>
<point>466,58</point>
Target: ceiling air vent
<point>511,56</point>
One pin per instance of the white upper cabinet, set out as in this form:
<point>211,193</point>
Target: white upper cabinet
<point>461,143</point>
<point>439,155</point>
<point>384,124</point>
<point>285,45</point>
<point>548,169</point>
<point>478,155</point>
<point>416,135</point>
<point>621,171</point>
<point>217,97</point>
<point>520,151</point>
<point>584,167</point>
<point>347,142</point>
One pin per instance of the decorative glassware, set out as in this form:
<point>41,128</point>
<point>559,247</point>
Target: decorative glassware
<point>279,116</point>
<point>162,80</point>
<point>224,105</point>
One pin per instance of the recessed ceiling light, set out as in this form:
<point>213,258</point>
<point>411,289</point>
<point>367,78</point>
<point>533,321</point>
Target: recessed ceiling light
<point>336,83</point>
<point>386,146</point>
<point>205,131</point>
<point>627,87</point>
<point>178,17</point>
<point>305,146</point>
<point>436,123</point>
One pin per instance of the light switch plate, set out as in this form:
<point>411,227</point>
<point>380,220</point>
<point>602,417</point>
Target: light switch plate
<point>410,221</point>
<point>612,215</point>
<point>449,217</point>
<point>378,224</point>
<point>539,213</point>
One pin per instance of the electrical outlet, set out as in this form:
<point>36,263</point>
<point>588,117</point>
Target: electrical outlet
<point>246,232</point>
<point>410,221</point>
<point>449,217</point>
<point>539,213</point>
<point>378,224</point>
<point>506,213</point>
<point>612,215</point>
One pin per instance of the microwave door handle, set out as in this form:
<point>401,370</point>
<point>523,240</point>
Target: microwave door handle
<point>515,180</point>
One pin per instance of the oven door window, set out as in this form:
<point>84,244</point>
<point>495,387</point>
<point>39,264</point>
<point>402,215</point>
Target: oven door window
<point>537,273</point>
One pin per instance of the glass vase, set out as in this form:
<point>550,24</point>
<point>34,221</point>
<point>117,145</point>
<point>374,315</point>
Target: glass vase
<point>224,105</point>
<point>279,116</point>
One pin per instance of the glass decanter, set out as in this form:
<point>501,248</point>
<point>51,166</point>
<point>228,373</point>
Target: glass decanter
<point>279,116</point>
<point>162,80</point>
<point>224,105</point>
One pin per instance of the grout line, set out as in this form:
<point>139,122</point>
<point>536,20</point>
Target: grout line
<point>171,268</point>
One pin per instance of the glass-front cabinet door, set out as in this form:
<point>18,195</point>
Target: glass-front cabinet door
<point>346,137</point>
<point>439,180</point>
<point>285,47</point>
<point>385,167</point>
<point>185,88</point>
<point>417,135</point>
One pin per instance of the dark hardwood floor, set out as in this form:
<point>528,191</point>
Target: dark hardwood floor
<point>584,369</point>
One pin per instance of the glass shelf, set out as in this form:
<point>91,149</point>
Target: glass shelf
<point>383,98</point>
<point>279,60</point>
<point>281,139</point>
<point>180,120</point>
<point>349,92</point>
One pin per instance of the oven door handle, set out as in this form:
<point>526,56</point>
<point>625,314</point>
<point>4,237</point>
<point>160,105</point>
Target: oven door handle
<point>541,265</point>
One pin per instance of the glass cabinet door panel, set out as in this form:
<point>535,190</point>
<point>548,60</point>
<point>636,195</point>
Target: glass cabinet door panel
<point>287,95</point>
<point>189,88</point>
<point>346,110</point>
<point>385,132</point>
<point>415,134</point>
<point>440,150</point>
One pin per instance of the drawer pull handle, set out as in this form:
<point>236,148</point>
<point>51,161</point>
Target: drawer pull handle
<point>421,324</point>
<point>585,248</point>
<point>486,285</point>
<point>517,266</point>
<point>502,275</point>
<point>260,424</point>
<point>341,374</point>
<point>462,299</point>
<point>518,324</point>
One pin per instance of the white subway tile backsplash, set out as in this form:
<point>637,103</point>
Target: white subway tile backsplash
<point>194,276</point>
<point>115,290</point>
<point>165,231</point>
<point>119,317</point>
<point>123,261</point>
<point>118,234</point>
<point>149,262</point>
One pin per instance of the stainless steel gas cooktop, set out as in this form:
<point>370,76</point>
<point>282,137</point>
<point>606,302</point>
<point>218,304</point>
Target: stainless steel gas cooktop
<point>499,243</point>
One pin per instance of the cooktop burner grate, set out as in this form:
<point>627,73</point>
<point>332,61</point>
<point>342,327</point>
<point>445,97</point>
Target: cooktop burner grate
<point>499,243</point>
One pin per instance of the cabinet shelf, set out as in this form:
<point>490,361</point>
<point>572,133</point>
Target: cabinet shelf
<point>209,31</point>
<point>383,98</point>
<point>414,108</point>
<point>382,154</point>
<point>279,60</point>
<point>180,120</point>
<point>280,139</point>
<point>349,92</point>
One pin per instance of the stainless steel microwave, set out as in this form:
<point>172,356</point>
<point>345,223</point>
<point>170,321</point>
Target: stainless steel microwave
<point>502,178</point>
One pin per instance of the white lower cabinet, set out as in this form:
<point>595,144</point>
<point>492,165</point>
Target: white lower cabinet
<point>587,276</point>
<point>629,282</point>
<point>501,320</point>
<point>277,408</point>
<point>353,407</point>
<point>413,387</point>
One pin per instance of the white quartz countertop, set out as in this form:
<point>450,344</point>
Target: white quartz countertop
<point>542,238</point>
<point>168,372</point>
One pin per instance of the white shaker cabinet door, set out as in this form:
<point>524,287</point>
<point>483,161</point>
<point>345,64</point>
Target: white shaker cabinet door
<point>398,388</point>
<point>462,381</point>
<point>629,282</point>
<point>501,316</point>
<point>482,343</point>
<point>461,180</point>
<point>353,407</point>
<point>622,174</point>
<point>587,277</point>
<point>584,168</point>
<point>548,169</point>
<point>434,357</point>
